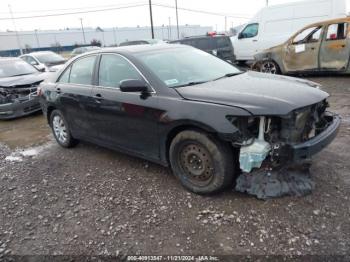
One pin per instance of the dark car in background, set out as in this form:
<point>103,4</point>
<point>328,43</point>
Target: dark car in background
<point>182,107</point>
<point>45,61</point>
<point>18,88</point>
<point>83,49</point>
<point>216,44</point>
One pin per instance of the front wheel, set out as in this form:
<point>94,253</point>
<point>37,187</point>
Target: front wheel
<point>269,67</point>
<point>203,164</point>
<point>60,130</point>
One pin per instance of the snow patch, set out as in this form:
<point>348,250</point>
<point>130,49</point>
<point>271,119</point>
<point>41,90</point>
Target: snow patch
<point>18,155</point>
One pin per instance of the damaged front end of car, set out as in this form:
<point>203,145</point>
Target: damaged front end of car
<point>16,101</point>
<point>275,151</point>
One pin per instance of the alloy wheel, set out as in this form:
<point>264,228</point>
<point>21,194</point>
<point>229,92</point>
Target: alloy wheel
<point>60,129</point>
<point>268,67</point>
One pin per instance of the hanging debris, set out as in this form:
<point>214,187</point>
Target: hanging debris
<point>286,181</point>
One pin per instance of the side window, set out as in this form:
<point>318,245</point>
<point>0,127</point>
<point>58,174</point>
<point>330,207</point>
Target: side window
<point>222,42</point>
<point>31,60</point>
<point>114,69</point>
<point>202,44</point>
<point>307,35</point>
<point>250,31</point>
<point>82,70</point>
<point>64,78</point>
<point>315,37</point>
<point>337,31</point>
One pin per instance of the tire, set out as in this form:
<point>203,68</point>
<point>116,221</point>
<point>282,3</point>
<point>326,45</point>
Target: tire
<point>60,130</point>
<point>203,164</point>
<point>269,67</point>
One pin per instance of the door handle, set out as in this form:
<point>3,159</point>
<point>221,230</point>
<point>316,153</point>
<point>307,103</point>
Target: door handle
<point>98,98</point>
<point>313,48</point>
<point>255,40</point>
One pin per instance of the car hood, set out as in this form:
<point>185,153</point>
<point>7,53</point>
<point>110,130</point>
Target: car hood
<point>258,93</point>
<point>20,81</point>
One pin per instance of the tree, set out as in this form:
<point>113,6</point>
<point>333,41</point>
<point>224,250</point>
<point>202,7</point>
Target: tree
<point>95,42</point>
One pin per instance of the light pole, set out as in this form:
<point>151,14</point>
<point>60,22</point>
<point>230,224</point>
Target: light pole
<point>37,38</point>
<point>170,28</point>
<point>82,28</point>
<point>177,20</point>
<point>17,36</point>
<point>267,2</point>
<point>151,16</point>
<point>114,36</point>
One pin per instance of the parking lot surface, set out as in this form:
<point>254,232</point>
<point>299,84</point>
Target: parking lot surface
<point>93,201</point>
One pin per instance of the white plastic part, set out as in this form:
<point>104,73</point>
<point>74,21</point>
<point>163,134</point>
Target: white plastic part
<point>253,155</point>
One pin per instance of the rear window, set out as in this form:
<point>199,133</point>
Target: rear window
<point>203,44</point>
<point>222,42</point>
<point>337,31</point>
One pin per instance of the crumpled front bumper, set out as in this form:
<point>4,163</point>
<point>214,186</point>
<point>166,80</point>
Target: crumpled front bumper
<point>19,108</point>
<point>311,147</point>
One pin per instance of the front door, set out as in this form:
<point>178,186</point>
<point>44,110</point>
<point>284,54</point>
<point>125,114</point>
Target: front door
<point>124,120</point>
<point>246,44</point>
<point>335,49</point>
<point>301,52</point>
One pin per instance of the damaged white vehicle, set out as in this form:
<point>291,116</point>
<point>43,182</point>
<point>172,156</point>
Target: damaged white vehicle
<point>18,88</point>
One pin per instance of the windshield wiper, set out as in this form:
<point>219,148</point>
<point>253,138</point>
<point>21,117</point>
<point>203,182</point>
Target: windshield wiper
<point>191,83</point>
<point>228,75</point>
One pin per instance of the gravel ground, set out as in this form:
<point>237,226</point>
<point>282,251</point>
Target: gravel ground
<point>93,201</point>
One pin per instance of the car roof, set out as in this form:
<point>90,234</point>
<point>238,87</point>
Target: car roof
<point>137,48</point>
<point>9,59</point>
<point>331,21</point>
<point>40,52</point>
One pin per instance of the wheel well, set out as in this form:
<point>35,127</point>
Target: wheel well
<point>49,111</point>
<point>173,133</point>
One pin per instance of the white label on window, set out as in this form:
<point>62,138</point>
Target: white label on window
<point>171,82</point>
<point>300,48</point>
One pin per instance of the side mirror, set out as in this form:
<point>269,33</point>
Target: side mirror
<point>133,85</point>
<point>240,35</point>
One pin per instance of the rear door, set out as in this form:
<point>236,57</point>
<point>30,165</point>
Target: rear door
<point>301,53</point>
<point>335,49</point>
<point>74,89</point>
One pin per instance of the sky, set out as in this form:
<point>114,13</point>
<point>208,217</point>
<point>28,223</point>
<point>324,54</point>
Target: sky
<point>237,12</point>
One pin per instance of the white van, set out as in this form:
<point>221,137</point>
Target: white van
<point>273,25</point>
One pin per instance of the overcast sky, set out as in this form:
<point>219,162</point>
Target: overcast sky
<point>127,17</point>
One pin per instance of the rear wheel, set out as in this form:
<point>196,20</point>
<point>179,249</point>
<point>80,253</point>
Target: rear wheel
<point>203,164</point>
<point>269,67</point>
<point>60,130</point>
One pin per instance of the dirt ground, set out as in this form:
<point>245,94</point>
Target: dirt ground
<point>93,201</point>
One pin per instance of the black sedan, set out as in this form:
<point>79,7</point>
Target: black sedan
<point>18,88</point>
<point>180,106</point>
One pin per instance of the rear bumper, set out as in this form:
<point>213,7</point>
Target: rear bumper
<point>19,108</point>
<point>313,146</point>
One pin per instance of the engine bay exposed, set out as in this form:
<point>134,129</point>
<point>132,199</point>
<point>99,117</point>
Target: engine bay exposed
<point>18,93</point>
<point>268,139</point>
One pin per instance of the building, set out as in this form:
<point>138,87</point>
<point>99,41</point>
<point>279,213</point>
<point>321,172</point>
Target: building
<point>69,38</point>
